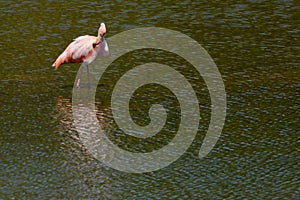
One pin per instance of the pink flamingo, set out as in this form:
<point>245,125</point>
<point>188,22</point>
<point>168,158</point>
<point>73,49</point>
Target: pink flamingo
<point>84,49</point>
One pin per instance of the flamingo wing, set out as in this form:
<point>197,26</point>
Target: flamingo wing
<point>79,50</point>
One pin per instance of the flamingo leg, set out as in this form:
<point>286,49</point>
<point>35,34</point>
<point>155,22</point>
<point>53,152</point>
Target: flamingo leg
<point>80,75</point>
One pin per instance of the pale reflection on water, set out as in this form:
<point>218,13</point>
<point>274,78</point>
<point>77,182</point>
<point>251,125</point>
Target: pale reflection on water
<point>79,157</point>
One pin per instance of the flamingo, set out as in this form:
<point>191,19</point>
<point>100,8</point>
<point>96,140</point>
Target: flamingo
<point>84,49</point>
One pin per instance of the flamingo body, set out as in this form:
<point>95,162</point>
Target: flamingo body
<point>84,49</point>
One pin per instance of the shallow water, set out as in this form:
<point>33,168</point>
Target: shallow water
<point>254,45</point>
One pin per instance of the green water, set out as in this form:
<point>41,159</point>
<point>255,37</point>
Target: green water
<point>255,45</point>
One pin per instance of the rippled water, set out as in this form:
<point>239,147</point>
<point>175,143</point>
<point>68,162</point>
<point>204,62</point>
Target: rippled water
<point>253,43</point>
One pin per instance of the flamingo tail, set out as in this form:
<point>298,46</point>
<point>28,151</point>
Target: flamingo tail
<point>60,60</point>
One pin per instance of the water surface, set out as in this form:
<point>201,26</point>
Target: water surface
<point>253,43</point>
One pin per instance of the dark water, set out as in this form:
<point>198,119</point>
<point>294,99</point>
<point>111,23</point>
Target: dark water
<point>255,45</point>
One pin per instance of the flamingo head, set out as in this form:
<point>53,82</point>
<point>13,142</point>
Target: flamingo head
<point>102,30</point>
